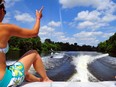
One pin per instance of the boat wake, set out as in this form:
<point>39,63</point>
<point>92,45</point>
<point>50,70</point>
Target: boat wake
<point>81,62</point>
<point>88,68</point>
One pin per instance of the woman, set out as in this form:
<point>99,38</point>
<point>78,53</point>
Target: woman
<point>14,75</point>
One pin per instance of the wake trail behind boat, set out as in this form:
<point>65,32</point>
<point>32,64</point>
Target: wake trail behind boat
<point>98,57</point>
<point>81,62</point>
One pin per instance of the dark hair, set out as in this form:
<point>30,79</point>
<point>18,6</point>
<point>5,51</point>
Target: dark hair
<point>2,1</point>
<point>2,4</point>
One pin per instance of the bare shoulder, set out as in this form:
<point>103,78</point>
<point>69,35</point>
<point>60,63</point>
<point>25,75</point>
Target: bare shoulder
<point>5,26</point>
<point>15,30</point>
<point>9,27</point>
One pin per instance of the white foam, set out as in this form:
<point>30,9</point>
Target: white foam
<point>98,57</point>
<point>58,55</point>
<point>81,62</point>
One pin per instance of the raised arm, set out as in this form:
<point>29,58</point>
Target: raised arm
<point>23,32</point>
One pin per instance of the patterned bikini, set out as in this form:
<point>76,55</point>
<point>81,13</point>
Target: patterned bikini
<point>14,74</point>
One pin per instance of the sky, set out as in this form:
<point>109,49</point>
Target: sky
<point>85,22</point>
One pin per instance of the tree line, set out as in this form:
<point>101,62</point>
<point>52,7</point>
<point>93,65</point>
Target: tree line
<point>18,46</point>
<point>108,46</point>
<point>22,45</point>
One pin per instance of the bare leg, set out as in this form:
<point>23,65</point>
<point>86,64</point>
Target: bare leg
<point>32,57</point>
<point>31,78</point>
<point>39,67</point>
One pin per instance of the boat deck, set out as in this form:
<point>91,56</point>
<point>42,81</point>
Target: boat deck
<point>70,84</point>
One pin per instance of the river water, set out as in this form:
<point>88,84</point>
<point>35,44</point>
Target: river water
<point>79,66</point>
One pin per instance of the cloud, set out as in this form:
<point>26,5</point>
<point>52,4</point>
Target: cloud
<point>81,38</point>
<point>88,16</point>
<point>74,3</point>
<point>91,38</point>
<point>85,34</point>
<point>45,30</point>
<point>49,31</point>
<point>94,19</point>
<point>85,24</point>
<point>10,3</point>
<point>106,5</point>
<point>24,17</point>
<point>89,20</point>
<point>54,24</point>
<point>61,37</point>
<point>91,25</point>
<point>100,17</point>
<point>109,18</point>
<point>7,18</point>
<point>98,4</point>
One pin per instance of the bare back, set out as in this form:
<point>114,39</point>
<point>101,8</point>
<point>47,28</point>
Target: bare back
<point>4,37</point>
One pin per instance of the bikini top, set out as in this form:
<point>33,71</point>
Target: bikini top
<point>4,50</point>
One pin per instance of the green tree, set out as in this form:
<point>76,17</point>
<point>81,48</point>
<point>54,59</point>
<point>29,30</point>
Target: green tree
<point>108,46</point>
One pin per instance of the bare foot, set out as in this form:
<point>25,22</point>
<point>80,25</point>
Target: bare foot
<point>39,79</point>
<point>47,80</point>
<point>34,79</point>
